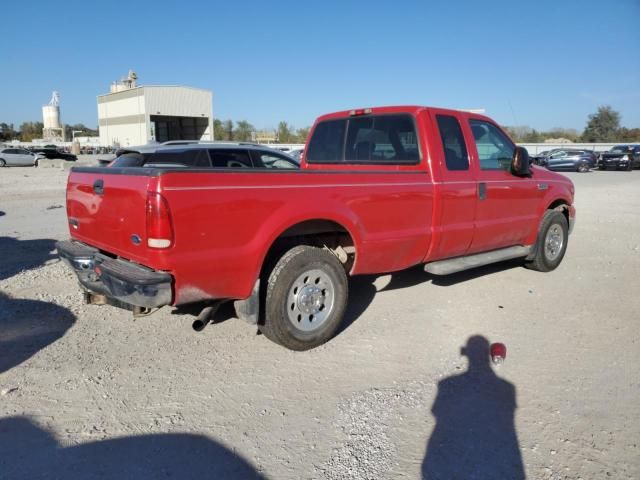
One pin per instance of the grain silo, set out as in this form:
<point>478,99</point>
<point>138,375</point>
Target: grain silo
<point>53,130</point>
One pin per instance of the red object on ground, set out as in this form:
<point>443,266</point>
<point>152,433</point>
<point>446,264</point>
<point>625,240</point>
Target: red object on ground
<point>498,353</point>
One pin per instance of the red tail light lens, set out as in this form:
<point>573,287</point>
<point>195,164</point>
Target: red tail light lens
<point>159,225</point>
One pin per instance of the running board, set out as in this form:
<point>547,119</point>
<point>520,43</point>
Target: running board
<point>458,264</point>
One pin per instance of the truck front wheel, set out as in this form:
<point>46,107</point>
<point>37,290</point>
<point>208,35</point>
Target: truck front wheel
<point>552,242</point>
<point>306,296</point>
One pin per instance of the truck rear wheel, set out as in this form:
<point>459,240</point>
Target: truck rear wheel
<point>306,296</point>
<point>552,242</point>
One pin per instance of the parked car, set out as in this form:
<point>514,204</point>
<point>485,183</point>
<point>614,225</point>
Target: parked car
<point>204,155</point>
<point>296,154</point>
<point>620,157</point>
<point>567,159</point>
<point>18,157</point>
<point>379,190</point>
<point>52,153</point>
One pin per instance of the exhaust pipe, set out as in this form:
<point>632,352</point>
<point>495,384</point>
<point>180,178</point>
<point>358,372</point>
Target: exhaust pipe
<point>205,317</point>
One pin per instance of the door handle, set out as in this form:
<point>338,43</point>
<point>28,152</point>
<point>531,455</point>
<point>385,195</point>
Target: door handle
<point>98,187</point>
<point>482,191</point>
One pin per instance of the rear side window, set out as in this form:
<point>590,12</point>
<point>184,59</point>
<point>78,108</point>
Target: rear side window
<point>272,160</point>
<point>383,139</point>
<point>177,158</point>
<point>327,142</point>
<point>230,158</point>
<point>455,150</point>
<point>494,147</point>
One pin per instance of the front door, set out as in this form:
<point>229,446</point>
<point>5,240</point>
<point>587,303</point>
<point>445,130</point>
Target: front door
<point>506,208</point>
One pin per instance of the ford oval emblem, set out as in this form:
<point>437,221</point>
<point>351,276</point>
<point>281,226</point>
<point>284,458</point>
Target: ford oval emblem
<point>135,239</point>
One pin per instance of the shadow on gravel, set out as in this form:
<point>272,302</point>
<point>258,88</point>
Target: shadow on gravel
<point>19,255</point>
<point>475,435</point>
<point>362,290</point>
<point>28,326</point>
<point>2,214</point>
<point>27,452</point>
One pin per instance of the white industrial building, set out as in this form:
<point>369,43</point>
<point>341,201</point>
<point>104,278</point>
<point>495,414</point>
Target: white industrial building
<point>136,115</point>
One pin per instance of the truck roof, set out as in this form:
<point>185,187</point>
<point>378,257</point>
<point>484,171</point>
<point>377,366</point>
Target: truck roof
<point>410,109</point>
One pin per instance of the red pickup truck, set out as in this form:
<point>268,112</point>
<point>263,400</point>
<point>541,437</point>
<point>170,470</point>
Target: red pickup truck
<point>378,190</point>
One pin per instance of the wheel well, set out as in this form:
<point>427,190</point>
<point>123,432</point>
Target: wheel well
<point>318,233</point>
<point>561,206</point>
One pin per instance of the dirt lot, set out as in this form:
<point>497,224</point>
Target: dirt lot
<point>85,392</point>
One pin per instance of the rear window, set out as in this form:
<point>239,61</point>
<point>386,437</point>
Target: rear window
<point>383,139</point>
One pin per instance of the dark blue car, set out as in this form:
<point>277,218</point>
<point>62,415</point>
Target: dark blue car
<point>569,159</point>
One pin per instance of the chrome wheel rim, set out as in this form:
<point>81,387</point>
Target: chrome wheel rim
<point>553,242</point>
<point>310,300</point>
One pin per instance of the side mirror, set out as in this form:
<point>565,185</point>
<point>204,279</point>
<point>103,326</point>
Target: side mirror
<point>520,165</point>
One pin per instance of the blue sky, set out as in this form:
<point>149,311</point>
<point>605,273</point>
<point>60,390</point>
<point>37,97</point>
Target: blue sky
<point>544,63</point>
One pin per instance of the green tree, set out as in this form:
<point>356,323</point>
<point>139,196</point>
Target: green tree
<point>31,130</point>
<point>284,133</point>
<point>7,132</point>
<point>218,130</point>
<point>228,130</point>
<point>302,134</point>
<point>244,131</point>
<point>79,127</point>
<point>629,135</point>
<point>603,126</point>
<point>568,133</point>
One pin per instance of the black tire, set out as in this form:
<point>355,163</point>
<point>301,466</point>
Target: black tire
<point>2,163</point>
<point>293,295</point>
<point>583,167</point>
<point>545,257</point>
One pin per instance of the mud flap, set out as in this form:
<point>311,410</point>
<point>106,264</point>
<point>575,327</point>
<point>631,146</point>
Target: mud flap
<point>249,308</point>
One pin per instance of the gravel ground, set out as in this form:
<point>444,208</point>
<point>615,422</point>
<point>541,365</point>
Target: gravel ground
<point>87,392</point>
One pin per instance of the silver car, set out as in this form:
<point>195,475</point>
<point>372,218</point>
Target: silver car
<point>18,157</point>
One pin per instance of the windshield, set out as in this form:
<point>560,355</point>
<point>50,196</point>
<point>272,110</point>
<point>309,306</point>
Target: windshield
<point>620,148</point>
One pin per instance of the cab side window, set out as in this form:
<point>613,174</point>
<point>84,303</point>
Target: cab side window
<point>272,160</point>
<point>455,150</point>
<point>494,147</point>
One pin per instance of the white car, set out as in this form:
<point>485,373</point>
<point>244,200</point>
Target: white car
<point>18,157</point>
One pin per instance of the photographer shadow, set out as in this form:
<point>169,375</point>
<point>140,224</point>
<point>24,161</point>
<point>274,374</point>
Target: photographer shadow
<point>474,436</point>
<point>29,452</point>
<point>28,326</point>
<point>19,255</point>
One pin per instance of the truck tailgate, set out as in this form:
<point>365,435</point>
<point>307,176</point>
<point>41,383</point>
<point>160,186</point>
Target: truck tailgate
<point>107,211</point>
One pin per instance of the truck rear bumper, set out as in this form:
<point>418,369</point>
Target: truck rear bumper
<point>117,279</point>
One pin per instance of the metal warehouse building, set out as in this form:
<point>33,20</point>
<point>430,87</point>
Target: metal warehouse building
<point>136,115</point>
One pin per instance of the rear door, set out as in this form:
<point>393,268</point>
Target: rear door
<point>506,207</point>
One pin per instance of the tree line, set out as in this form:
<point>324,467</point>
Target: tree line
<point>30,130</point>
<point>243,131</point>
<point>602,127</point>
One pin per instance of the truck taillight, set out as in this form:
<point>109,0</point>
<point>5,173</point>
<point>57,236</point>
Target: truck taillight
<point>159,226</point>
<point>360,111</point>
